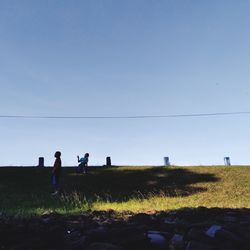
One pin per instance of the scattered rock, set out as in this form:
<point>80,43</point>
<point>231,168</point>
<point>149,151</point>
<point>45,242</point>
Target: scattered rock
<point>157,239</point>
<point>177,242</point>
<point>211,229</point>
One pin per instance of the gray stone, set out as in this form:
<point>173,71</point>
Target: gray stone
<point>167,235</point>
<point>212,230</point>
<point>157,239</point>
<point>177,242</point>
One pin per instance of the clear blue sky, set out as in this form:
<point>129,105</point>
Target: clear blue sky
<point>133,57</point>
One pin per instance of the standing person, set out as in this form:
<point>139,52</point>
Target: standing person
<point>56,172</point>
<point>83,166</point>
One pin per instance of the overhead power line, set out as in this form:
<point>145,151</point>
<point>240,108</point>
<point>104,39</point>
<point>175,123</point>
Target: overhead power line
<point>127,117</point>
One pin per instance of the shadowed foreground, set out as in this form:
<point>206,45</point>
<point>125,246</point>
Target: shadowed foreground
<point>186,229</point>
<point>32,219</point>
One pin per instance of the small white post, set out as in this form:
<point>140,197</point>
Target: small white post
<point>227,161</point>
<point>41,162</point>
<point>108,161</point>
<point>166,161</point>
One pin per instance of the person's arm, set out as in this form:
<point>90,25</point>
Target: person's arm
<point>78,158</point>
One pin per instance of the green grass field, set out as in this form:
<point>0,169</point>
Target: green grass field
<point>26,191</point>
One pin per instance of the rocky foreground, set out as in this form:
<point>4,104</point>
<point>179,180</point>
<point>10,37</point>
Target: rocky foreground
<point>187,229</point>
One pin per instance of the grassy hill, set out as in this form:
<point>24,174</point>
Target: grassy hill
<point>26,191</point>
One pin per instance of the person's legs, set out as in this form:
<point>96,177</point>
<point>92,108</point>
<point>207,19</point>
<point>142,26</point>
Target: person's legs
<point>80,168</point>
<point>55,179</point>
<point>85,170</point>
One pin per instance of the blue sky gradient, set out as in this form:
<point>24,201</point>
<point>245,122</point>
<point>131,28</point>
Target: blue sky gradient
<point>133,57</point>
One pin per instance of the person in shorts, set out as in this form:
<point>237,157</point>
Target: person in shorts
<point>83,166</point>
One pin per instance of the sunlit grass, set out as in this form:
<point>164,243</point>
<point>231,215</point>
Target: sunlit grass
<point>26,191</point>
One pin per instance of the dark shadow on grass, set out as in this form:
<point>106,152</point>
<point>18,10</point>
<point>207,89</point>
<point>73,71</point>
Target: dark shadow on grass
<point>24,190</point>
<point>123,184</point>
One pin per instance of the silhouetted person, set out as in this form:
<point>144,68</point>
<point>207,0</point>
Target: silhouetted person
<point>83,166</point>
<point>56,172</point>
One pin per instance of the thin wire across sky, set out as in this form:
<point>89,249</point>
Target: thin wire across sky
<point>126,117</point>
